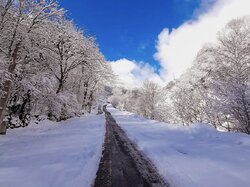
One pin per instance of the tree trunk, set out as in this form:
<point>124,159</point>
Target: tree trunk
<point>7,90</point>
<point>84,105</point>
<point>60,86</point>
<point>90,102</point>
<point>3,105</point>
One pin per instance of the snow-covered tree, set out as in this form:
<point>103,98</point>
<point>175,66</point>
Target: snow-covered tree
<point>48,66</point>
<point>149,99</point>
<point>19,22</point>
<point>228,66</point>
<point>216,88</point>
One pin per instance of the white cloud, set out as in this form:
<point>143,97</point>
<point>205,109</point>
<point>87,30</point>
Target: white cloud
<point>133,74</point>
<point>177,49</point>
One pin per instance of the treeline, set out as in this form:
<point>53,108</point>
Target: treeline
<point>48,67</point>
<point>215,90</point>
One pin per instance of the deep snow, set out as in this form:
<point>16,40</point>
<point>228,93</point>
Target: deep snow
<point>190,156</point>
<point>64,154</point>
<point>67,154</point>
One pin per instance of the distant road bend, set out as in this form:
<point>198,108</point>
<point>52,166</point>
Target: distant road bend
<point>122,164</point>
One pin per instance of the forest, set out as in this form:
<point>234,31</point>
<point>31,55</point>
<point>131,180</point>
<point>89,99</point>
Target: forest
<point>50,69</point>
<point>215,90</point>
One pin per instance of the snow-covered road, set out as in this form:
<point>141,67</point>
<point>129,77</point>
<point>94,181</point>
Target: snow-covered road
<point>122,164</point>
<point>194,156</point>
<point>67,154</point>
<point>64,154</point>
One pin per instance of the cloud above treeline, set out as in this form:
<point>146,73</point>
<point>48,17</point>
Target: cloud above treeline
<point>177,49</point>
<point>133,74</point>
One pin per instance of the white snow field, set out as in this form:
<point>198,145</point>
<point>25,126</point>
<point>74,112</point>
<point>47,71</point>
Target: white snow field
<point>193,156</point>
<point>64,154</point>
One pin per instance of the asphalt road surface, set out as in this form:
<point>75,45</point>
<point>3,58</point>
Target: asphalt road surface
<point>122,164</point>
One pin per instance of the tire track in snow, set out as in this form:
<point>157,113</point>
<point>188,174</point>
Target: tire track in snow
<point>122,164</point>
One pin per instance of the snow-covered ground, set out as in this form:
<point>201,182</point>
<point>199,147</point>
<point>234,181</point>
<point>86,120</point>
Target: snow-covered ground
<point>64,154</point>
<point>194,156</point>
<point>67,154</point>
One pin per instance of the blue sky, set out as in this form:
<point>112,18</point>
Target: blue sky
<point>129,28</point>
<point>154,40</point>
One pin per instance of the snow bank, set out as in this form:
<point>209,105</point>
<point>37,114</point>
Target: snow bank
<point>61,154</point>
<point>194,156</point>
